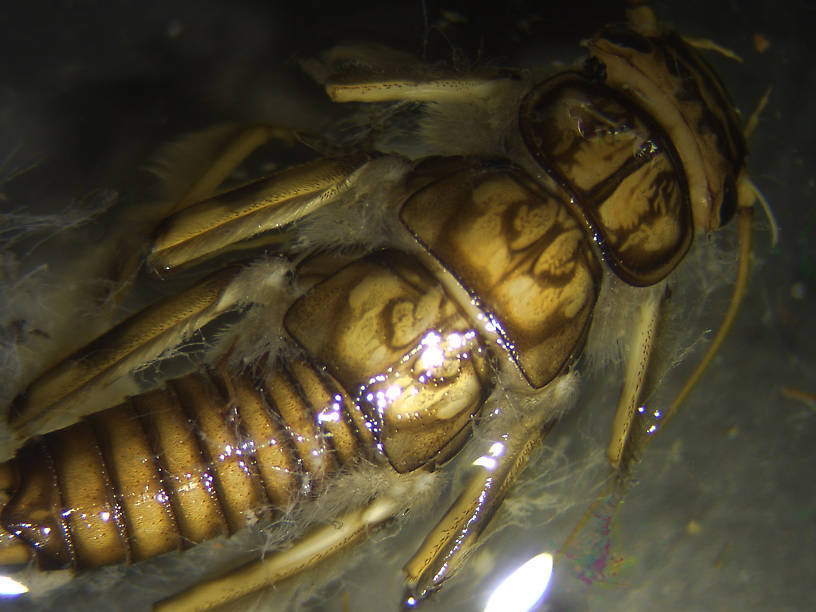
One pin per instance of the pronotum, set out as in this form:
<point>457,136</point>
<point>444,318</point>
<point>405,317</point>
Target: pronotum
<point>421,272</point>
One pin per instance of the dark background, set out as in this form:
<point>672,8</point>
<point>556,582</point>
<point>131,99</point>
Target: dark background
<point>725,515</point>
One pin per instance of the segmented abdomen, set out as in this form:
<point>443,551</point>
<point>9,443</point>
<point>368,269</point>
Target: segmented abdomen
<point>204,457</point>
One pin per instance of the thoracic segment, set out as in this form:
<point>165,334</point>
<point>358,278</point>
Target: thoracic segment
<point>402,371</point>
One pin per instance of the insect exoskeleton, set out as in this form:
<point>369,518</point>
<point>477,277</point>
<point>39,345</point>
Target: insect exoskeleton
<point>419,290</point>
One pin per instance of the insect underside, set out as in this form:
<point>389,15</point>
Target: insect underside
<point>411,298</point>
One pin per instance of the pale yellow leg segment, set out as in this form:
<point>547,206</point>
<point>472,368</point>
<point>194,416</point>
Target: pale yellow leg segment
<point>454,537</point>
<point>204,229</point>
<point>401,89</point>
<point>638,437</point>
<point>306,553</point>
<point>242,145</point>
<point>628,441</point>
<point>637,364</point>
<point>63,389</point>
<point>187,183</point>
<point>709,45</point>
<point>642,433</point>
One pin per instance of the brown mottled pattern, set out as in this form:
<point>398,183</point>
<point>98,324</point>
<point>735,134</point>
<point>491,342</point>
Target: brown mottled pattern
<point>619,167</point>
<point>703,87</point>
<point>708,109</point>
<point>389,333</point>
<point>364,318</point>
<point>521,252</point>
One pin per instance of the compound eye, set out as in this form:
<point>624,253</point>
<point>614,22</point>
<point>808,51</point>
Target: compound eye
<point>728,206</point>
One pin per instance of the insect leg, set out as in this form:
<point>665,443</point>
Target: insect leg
<point>191,170</point>
<point>362,73</point>
<point>450,542</point>
<point>637,364</point>
<point>413,90</point>
<point>308,552</point>
<point>65,389</point>
<point>225,148</point>
<point>643,428</point>
<point>207,228</point>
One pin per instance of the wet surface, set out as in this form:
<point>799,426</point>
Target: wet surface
<point>724,515</point>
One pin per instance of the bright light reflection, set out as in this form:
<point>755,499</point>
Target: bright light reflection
<point>433,357</point>
<point>488,463</point>
<point>431,339</point>
<point>393,392</point>
<point>496,449</point>
<point>522,589</point>
<point>332,416</point>
<point>10,587</point>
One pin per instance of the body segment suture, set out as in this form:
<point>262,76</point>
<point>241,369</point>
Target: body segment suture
<point>173,468</point>
<point>607,153</point>
<point>544,307</point>
<point>464,303</point>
